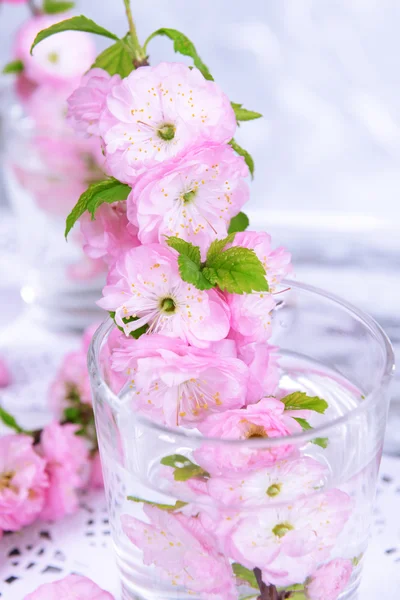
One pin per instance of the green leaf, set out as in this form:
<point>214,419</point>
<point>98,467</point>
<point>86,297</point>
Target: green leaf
<point>237,271</point>
<point>15,66</point>
<point>323,442</point>
<point>184,46</point>
<point>191,273</point>
<point>186,249</point>
<point>242,114</point>
<point>116,59</point>
<point>184,468</point>
<point>108,190</point>
<point>52,7</point>
<point>137,332</point>
<point>9,421</point>
<point>72,414</point>
<point>245,574</point>
<point>168,507</point>
<point>300,401</point>
<point>80,23</point>
<point>189,262</point>
<point>239,223</point>
<point>242,152</point>
<point>217,247</point>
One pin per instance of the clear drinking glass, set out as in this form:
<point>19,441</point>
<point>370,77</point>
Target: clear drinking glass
<point>45,171</point>
<point>187,525</point>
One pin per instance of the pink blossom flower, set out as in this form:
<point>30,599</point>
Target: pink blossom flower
<point>176,384</point>
<point>289,541</point>
<point>183,553</point>
<point>329,580</point>
<point>193,197</point>
<point>145,284</point>
<point>285,481</point>
<point>71,383</point>
<point>57,59</point>
<point>72,586</point>
<point>266,419</point>
<point>88,101</point>
<point>5,375</point>
<point>23,482</point>
<point>262,360</point>
<point>157,112</point>
<point>65,166</point>
<point>251,317</point>
<point>110,234</point>
<point>15,1</point>
<point>96,473</point>
<point>67,466</point>
<point>47,107</point>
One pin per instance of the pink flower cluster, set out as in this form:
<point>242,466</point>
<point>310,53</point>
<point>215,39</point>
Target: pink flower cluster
<point>41,480</point>
<point>62,164</point>
<point>202,359</point>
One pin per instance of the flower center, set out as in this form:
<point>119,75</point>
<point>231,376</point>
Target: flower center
<point>166,132</point>
<point>5,480</point>
<point>167,305</point>
<point>255,431</point>
<point>282,529</point>
<point>53,57</point>
<point>188,196</point>
<point>274,490</point>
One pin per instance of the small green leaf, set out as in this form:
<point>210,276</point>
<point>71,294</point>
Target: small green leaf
<point>217,246</point>
<point>237,271</point>
<point>357,559</point>
<point>245,574</point>
<point>168,507</point>
<point>15,66</point>
<point>108,190</point>
<point>80,23</point>
<point>184,46</point>
<point>184,468</point>
<point>323,442</point>
<point>52,7</point>
<point>72,414</point>
<point>9,421</point>
<point>242,114</point>
<point>242,152</point>
<point>186,249</point>
<point>137,332</point>
<point>239,223</point>
<point>191,273</point>
<point>116,59</point>
<point>300,401</point>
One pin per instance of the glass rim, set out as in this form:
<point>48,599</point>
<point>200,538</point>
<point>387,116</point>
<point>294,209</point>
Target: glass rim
<point>296,438</point>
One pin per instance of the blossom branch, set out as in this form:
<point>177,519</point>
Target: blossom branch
<point>268,592</point>
<point>139,53</point>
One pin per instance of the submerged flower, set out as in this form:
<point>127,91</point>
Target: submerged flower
<point>69,588</point>
<point>110,234</point>
<point>183,553</point>
<point>284,481</point>
<point>146,289</point>
<point>57,59</point>
<point>289,541</point>
<point>88,101</point>
<point>23,482</point>
<point>330,580</point>
<point>266,419</point>
<point>179,385</point>
<point>157,112</point>
<point>251,313</point>
<point>67,466</point>
<point>193,197</point>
